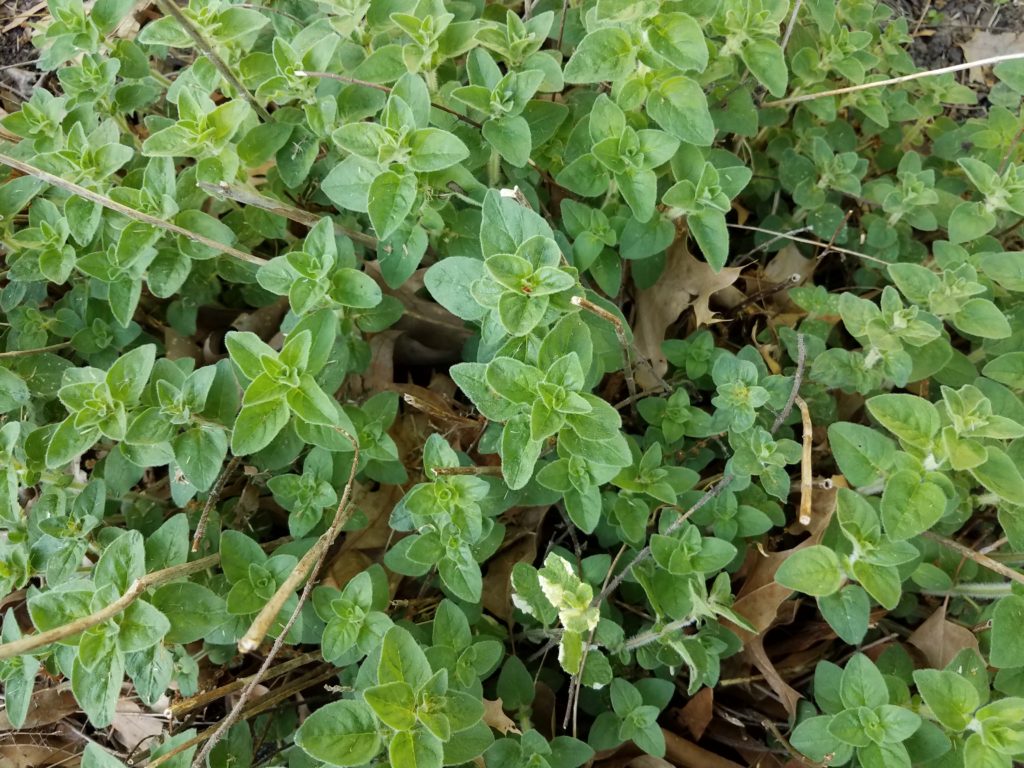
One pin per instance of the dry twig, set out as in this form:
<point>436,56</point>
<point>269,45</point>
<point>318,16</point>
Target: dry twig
<point>983,560</point>
<point>895,80</point>
<point>168,7</point>
<point>310,565</point>
<point>124,210</point>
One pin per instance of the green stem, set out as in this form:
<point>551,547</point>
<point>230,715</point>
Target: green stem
<point>172,10</point>
<point>610,195</point>
<point>494,169</point>
<point>652,636</point>
<point>985,590</point>
<point>36,351</point>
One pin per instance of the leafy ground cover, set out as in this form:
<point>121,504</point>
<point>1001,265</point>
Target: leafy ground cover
<point>422,383</point>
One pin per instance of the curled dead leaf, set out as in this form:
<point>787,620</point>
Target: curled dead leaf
<point>760,597</point>
<point>495,717</point>
<point>686,282</point>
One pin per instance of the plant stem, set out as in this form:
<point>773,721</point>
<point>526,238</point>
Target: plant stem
<point>481,470</point>
<point>620,332</point>
<point>798,376</point>
<point>651,636</point>
<point>983,590</point>
<point>215,492</point>
<point>806,467</point>
<point>124,210</point>
<point>493,169</point>
<point>644,553</point>
<point>266,702</point>
<point>792,23</point>
<point>807,241</point>
<point>263,621</point>
<point>255,199</point>
<point>185,706</point>
<point>36,351</point>
<point>169,8</point>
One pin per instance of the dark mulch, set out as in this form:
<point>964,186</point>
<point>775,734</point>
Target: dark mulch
<point>941,25</point>
<point>17,73</point>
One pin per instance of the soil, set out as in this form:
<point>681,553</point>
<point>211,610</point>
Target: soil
<point>17,75</point>
<point>939,26</point>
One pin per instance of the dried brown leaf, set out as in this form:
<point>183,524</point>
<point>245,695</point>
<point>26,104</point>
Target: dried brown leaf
<point>940,639</point>
<point>984,44</point>
<point>495,717</point>
<point>39,755</point>
<point>697,713</point>
<point>685,754</point>
<point>760,597</point>
<point>686,282</point>
<point>265,321</point>
<point>754,651</point>
<point>381,375</point>
<point>132,724</point>
<point>47,706</point>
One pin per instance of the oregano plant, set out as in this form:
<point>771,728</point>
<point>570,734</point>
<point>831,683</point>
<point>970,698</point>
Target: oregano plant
<point>460,383</point>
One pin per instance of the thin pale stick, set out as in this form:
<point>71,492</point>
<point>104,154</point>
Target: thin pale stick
<point>983,560</point>
<point>896,80</point>
<point>29,643</point>
<point>620,332</point>
<point>168,7</point>
<point>806,469</point>
<point>791,24</point>
<point>124,210</point>
<point>138,587</point>
<point>807,241</point>
<point>264,620</point>
<point>36,351</point>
